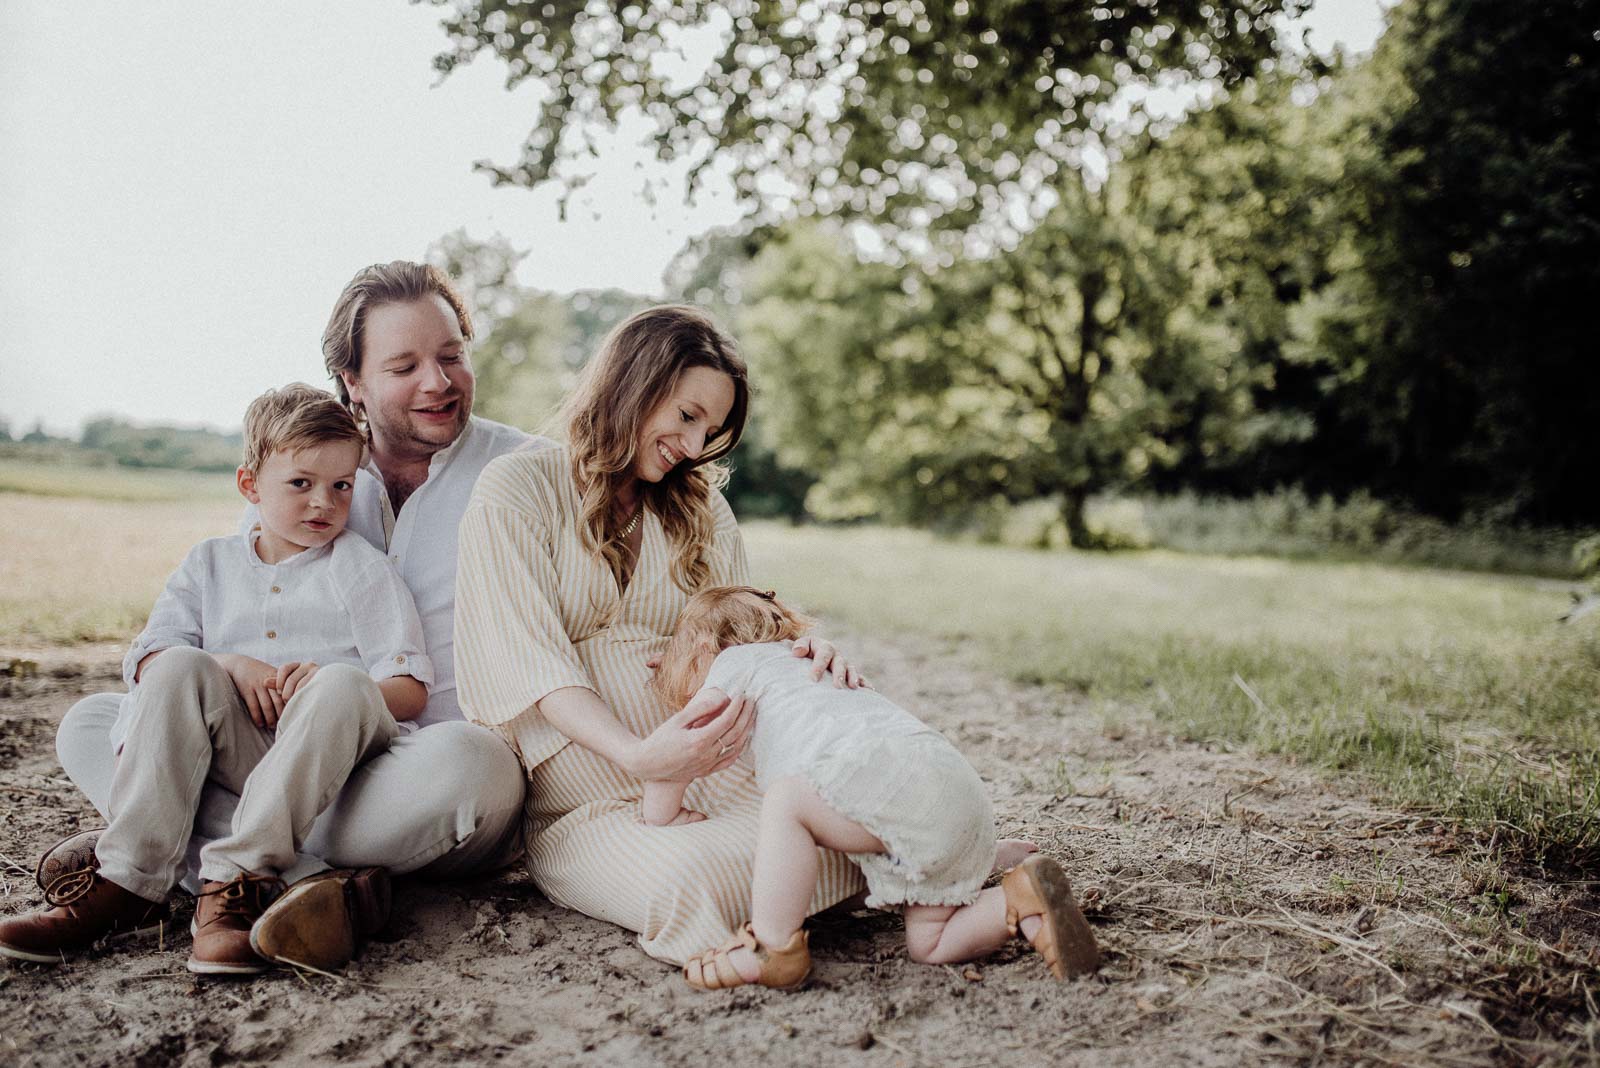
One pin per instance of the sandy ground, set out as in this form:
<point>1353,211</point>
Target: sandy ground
<point>1251,912</point>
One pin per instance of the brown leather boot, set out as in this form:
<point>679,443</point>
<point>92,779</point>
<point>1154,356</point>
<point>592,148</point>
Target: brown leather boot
<point>223,915</point>
<point>323,920</point>
<point>84,909</point>
<point>68,857</point>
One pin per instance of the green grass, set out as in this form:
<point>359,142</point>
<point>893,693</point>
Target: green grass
<point>1453,690</point>
<point>111,483</point>
<point>1291,524</point>
<point>1457,691</point>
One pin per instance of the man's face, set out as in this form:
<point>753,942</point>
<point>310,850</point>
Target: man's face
<point>415,379</point>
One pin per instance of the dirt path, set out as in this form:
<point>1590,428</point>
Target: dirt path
<point>1251,911</point>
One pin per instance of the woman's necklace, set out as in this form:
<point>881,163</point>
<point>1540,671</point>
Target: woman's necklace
<point>633,524</point>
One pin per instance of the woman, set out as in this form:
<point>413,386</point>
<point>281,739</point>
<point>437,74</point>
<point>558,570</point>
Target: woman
<point>574,563</point>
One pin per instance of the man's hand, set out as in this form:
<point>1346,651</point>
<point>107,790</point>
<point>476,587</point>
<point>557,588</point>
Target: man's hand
<point>257,683</point>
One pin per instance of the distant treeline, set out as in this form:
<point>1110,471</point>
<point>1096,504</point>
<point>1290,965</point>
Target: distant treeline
<point>109,440</point>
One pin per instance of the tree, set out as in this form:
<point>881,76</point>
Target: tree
<point>530,345</point>
<point>1459,319</point>
<point>918,115</point>
<point>1245,197</point>
<point>954,129</point>
<point>1073,362</point>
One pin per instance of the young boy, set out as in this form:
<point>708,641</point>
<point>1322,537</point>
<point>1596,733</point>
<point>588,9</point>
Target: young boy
<point>274,662</point>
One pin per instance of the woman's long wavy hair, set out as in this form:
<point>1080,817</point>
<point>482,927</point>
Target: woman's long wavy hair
<point>634,372</point>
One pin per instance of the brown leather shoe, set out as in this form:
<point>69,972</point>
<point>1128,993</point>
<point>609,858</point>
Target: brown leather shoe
<point>1038,887</point>
<point>84,909</point>
<point>68,857</point>
<point>223,914</point>
<point>782,969</point>
<point>324,919</point>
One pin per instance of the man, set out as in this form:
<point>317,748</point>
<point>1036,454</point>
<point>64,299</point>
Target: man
<point>447,798</point>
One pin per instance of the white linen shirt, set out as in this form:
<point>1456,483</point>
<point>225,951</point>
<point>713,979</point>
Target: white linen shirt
<point>421,540</point>
<point>340,603</point>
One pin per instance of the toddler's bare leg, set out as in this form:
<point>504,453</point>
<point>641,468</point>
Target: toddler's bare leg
<point>1009,852</point>
<point>661,802</point>
<point>941,934</point>
<point>794,822</point>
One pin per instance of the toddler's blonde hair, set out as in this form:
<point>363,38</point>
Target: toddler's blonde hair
<point>715,619</point>
<point>294,417</point>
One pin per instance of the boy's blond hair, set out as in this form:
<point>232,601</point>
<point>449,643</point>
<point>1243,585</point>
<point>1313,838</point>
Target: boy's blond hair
<point>716,619</point>
<point>294,417</point>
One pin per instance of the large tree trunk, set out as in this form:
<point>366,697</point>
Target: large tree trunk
<point>1074,508</point>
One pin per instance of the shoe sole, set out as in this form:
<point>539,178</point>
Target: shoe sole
<point>309,926</point>
<point>1079,953</point>
<point>213,967</point>
<point>65,955</point>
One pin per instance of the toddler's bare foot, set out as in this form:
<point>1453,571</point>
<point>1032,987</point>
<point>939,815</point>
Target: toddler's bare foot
<point>745,963</point>
<point>1009,852</point>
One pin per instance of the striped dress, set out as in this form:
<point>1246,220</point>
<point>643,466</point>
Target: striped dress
<point>531,608</point>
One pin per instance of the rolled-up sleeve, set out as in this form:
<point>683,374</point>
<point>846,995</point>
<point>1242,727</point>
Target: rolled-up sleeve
<point>388,631</point>
<point>176,618</point>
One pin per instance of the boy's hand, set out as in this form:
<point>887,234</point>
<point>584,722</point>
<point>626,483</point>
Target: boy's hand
<point>292,676</point>
<point>257,683</point>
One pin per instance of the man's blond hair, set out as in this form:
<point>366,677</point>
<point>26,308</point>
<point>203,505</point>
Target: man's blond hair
<point>294,417</point>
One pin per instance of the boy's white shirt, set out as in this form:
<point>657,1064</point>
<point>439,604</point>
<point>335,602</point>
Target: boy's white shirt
<point>340,603</point>
<point>421,541</point>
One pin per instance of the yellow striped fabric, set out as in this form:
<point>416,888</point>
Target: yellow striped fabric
<point>531,606</point>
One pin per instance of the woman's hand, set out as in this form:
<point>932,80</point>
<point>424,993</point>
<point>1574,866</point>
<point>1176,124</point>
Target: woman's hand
<point>690,745</point>
<point>825,658</point>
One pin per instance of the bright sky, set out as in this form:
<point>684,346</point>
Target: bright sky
<point>181,199</point>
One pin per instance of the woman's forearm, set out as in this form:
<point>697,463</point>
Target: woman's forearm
<point>582,716</point>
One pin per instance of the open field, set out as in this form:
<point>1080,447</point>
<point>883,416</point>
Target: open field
<point>1256,771</point>
<point>1446,686</point>
<point>83,569</point>
<point>109,483</point>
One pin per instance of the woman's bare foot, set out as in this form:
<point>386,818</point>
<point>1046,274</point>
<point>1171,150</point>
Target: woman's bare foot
<point>1009,852</point>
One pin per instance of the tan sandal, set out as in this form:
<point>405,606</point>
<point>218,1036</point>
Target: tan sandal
<point>781,969</point>
<point>1038,887</point>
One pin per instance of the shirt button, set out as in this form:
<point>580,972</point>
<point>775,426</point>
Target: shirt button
<point>277,589</point>
<point>399,660</point>
<point>272,634</point>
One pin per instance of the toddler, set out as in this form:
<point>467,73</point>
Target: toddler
<point>275,662</point>
<point>850,770</point>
